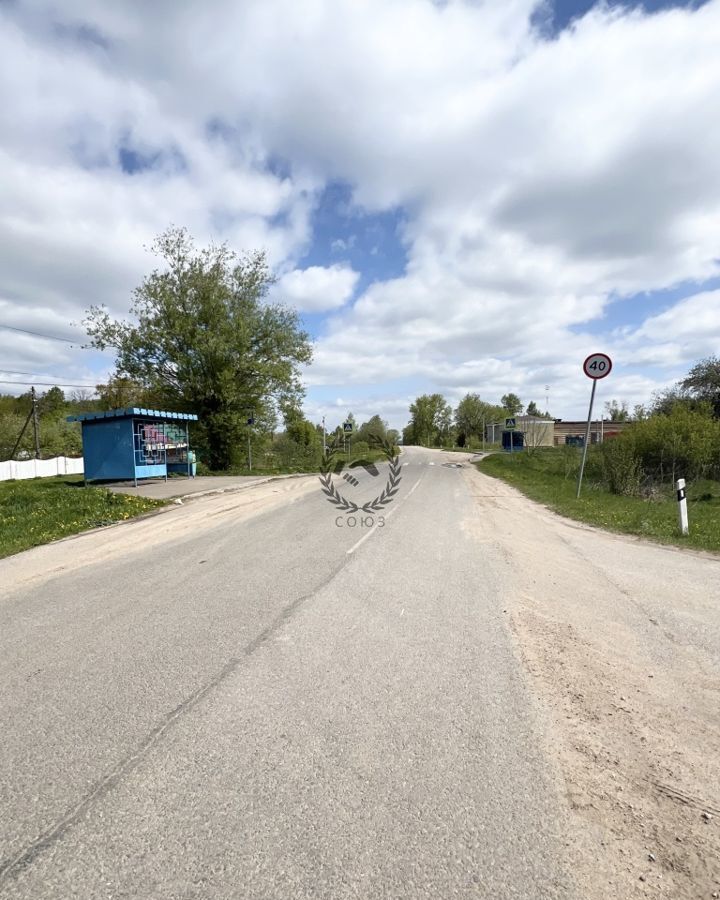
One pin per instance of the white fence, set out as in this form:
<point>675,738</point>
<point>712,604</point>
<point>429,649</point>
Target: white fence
<point>40,468</point>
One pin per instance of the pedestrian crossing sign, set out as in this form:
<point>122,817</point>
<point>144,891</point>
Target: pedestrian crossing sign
<point>510,424</point>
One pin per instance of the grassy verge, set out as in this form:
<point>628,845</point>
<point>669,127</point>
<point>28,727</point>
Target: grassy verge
<point>263,464</point>
<point>39,510</point>
<point>546,476</point>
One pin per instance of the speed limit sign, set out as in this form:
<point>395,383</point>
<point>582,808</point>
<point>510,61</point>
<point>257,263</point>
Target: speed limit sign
<point>597,365</point>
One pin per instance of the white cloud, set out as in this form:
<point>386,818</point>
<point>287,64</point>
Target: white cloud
<point>695,319</point>
<point>318,288</point>
<point>537,177</point>
<point>687,330</point>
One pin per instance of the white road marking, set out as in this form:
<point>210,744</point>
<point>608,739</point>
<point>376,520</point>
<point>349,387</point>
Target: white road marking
<point>410,492</point>
<point>391,513</point>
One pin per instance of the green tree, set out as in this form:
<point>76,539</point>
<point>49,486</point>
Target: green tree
<point>472,415</point>
<point>372,430</point>
<point>532,409</point>
<point>702,383</point>
<point>303,433</point>
<point>122,392</point>
<point>512,403</point>
<point>430,422</point>
<point>205,339</point>
<point>664,401</point>
<point>52,402</point>
<point>617,412</point>
<point>300,430</point>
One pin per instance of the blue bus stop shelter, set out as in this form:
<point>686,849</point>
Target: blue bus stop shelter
<point>127,444</point>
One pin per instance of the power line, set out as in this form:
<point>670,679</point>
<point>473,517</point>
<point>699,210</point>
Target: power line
<point>34,374</point>
<point>50,337</point>
<point>49,384</point>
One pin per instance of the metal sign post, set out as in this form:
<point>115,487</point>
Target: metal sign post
<point>596,366</point>
<point>510,426</point>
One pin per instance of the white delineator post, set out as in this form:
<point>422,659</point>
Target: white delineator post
<point>682,505</point>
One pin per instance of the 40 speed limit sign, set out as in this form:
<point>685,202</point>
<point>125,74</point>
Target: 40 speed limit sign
<point>597,365</point>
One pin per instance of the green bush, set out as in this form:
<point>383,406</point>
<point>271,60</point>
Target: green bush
<point>569,460</point>
<point>683,443</point>
<point>621,468</point>
<point>202,468</point>
<point>286,453</point>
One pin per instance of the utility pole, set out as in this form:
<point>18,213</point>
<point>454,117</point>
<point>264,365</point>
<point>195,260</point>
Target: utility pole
<point>250,422</point>
<point>22,432</point>
<point>36,426</point>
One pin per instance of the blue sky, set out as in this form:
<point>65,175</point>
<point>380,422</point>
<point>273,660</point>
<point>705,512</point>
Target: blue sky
<point>457,196</point>
<point>563,12</point>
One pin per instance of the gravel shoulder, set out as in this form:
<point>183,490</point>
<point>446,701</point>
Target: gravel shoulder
<point>620,641</point>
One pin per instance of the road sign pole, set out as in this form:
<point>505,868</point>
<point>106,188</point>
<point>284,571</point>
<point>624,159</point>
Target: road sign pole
<point>587,439</point>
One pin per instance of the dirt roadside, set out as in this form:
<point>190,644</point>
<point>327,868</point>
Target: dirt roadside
<point>621,643</point>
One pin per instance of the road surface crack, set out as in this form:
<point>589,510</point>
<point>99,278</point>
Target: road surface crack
<point>11,867</point>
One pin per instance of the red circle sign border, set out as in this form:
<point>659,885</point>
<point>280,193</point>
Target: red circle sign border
<point>605,374</point>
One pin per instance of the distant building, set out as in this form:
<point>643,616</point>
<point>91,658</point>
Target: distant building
<point>536,431</point>
<point>539,432</point>
<point>600,430</point>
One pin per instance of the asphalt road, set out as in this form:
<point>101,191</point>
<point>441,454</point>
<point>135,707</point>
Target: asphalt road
<point>277,705</point>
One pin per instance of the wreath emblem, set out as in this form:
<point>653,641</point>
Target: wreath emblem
<point>332,466</point>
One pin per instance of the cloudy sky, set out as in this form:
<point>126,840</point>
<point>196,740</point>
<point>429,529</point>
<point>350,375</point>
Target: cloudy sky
<point>458,195</point>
